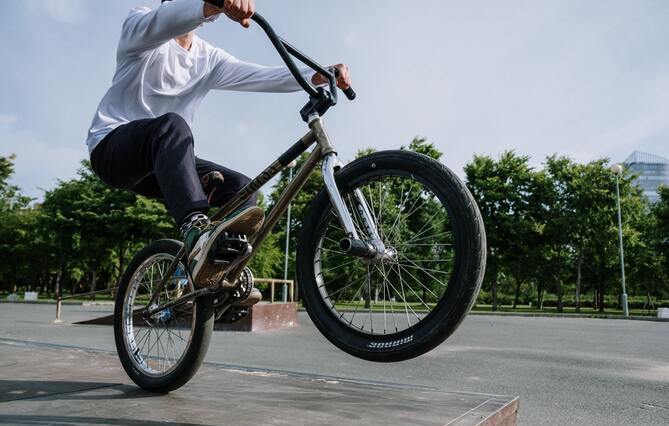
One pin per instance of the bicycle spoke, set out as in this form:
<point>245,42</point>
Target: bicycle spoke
<point>157,343</point>
<point>415,227</point>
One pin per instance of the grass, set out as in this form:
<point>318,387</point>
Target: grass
<point>526,309</point>
<point>45,298</point>
<point>417,307</point>
<point>398,307</point>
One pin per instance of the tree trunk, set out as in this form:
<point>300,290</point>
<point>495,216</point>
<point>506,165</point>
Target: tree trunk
<point>517,295</point>
<point>121,260</point>
<point>649,302</point>
<point>58,289</point>
<point>579,267</point>
<point>558,281</point>
<point>493,286</point>
<point>600,291</point>
<point>540,294</point>
<point>94,278</point>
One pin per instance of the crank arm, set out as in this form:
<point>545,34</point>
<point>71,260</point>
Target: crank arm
<point>234,266</point>
<point>177,302</point>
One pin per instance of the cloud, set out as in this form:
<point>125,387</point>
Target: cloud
<point>66,11</point>
<point>38,163</point>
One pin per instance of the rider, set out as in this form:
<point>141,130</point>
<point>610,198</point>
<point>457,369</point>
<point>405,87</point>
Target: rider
<point>141,139</point>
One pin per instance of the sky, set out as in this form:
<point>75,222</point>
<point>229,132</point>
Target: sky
<point>587,79</point>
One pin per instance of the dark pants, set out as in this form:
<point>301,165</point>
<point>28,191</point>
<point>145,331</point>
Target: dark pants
<point>155,158</point>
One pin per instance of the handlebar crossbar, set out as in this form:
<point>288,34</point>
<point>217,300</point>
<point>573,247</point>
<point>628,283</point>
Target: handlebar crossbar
<point>285,51</point>
<point>283,47</point>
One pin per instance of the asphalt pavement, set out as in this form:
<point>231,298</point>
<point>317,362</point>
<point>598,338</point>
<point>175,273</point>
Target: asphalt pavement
<point>566,371</point>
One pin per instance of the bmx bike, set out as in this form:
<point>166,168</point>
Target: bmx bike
<point>390,257</point>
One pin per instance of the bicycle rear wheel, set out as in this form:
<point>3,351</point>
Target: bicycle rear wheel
<point>162,352</point>
<point>402,306</point>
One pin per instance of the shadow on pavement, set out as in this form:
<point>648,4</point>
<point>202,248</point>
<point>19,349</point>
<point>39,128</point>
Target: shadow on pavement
<point>15,390</point>
<point>21,419</point>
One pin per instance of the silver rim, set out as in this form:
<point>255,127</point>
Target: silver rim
<point>383,297</point>
<point>156,345</point>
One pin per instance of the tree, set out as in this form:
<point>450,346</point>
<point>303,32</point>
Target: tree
<point>95,226</point>
<point>502,191</point>
<point>16,228</point>
<point>267,261</point>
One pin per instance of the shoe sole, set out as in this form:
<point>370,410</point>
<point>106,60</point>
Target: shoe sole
<point>208,274</point>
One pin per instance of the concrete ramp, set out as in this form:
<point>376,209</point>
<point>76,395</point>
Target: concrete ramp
<point>49,384</point>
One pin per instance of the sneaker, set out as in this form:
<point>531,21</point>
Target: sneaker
<point>200,240</point>
<point>254,297</point>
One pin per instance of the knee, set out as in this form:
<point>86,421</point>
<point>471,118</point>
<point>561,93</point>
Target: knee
<point>175,127</point>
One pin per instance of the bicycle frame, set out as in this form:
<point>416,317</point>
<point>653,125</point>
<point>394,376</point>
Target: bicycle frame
<point>320,101</point>
<point>325,152</point>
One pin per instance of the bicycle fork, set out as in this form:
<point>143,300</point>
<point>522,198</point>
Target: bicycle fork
<point>353,244</point>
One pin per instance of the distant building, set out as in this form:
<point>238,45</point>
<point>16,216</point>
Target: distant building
<point>653,171</point>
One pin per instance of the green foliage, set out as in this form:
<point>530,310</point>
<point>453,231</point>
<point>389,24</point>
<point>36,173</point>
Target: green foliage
<point>268,261</point>
<point>556,229</point>
<point>84,231</point>
<point>10,196</point>
<point>552,233</point>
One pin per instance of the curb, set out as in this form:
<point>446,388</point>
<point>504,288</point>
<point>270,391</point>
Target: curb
<point>45,302</point>
<point>592,316</point>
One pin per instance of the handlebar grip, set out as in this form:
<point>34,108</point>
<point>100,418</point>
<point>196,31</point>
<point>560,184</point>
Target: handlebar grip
<point>350,93</point>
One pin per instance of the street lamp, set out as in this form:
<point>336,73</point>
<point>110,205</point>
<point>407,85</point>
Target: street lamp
<point>617,170</point>
<point>291,167</point>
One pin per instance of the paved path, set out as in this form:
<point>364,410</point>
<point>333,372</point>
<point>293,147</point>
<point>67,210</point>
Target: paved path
<point>566,371</point>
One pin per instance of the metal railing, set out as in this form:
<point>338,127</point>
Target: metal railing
<point>59,299</point>
<point>273,282</point>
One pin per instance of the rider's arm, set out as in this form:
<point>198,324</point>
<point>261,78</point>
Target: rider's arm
<point>146,29</point>
<point>229,73</point>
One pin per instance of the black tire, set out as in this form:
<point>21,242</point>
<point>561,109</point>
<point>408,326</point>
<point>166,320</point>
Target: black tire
<point>196,349</point>
<point>465,279</point>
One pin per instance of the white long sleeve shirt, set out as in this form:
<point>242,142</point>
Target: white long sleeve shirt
<point>155,75</point>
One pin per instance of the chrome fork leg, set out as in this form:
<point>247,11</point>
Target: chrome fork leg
<point>365,214</point>
<point>330,161</point>
<point>353,244</point>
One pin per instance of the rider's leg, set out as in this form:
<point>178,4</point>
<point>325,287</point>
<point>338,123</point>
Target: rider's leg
<point>163,147</point>
<point>220,190</point>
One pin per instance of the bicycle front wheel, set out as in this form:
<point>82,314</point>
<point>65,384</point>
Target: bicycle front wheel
<point>410,301</point>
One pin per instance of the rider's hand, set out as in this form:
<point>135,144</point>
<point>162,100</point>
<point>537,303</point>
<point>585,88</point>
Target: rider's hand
<point>343,81</point>
<point>237,10</point>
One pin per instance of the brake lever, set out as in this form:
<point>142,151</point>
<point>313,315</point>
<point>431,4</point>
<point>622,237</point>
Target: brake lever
<point>332,79</point>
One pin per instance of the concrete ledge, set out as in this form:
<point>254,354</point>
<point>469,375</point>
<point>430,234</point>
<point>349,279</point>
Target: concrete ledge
<point>263,317</point>
<point>55,385</point>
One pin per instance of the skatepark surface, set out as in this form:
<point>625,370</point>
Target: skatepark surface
<point>566,371</point>
<point>55,385</point>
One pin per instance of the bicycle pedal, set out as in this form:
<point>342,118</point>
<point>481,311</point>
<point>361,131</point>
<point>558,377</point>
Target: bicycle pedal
<point>228,247</point>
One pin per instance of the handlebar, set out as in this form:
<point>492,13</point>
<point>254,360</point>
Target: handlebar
<point>285,50</point>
